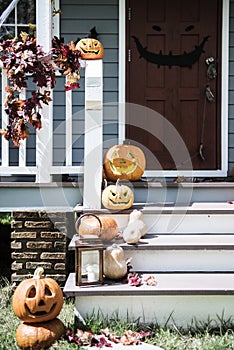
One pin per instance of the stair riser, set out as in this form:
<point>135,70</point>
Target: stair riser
<point>182,223</point>
<point>181,260</point>
<point>184,194</point>
<point>184,310</point>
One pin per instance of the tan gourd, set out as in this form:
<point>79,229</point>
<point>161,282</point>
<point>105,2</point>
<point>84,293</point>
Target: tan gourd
<point>115,265</point>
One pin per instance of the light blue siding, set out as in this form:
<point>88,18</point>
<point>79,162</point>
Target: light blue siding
<point>78,17</point>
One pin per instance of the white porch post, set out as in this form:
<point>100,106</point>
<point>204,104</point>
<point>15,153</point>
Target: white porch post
<point>44,136</point>
<point>93,157</point>
<point>4,143</point>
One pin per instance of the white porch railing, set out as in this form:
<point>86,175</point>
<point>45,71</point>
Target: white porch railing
<point>93,130</point>
<point>44,168</point>
<point>93,145</point>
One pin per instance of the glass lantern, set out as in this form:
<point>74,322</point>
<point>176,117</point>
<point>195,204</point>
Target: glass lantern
<point>89,255</point>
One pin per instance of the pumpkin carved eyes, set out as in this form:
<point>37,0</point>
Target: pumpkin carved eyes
<point>48,291</point>
<point>32,293</point>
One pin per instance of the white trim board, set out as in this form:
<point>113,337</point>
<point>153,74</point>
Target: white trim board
<point>224,99</point>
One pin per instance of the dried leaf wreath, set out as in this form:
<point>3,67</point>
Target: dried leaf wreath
<point>23,59</point>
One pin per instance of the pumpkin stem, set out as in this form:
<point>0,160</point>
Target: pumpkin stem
<point>105,183</point>
<point>117,187</point>
<point>38,272</point>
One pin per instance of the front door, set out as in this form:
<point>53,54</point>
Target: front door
<point>174,68</point>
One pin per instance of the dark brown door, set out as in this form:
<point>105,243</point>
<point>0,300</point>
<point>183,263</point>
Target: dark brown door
<point>168,43</point>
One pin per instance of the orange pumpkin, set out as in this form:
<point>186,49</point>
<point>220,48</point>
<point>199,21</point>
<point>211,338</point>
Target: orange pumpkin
<point>90,49</point>
<point>39,335</point>
<point>37,299</point>
<point>117,197</point>
<point>91,226</point>
<point>124,162</point>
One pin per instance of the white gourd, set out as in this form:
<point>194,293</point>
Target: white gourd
<point>135,229</point>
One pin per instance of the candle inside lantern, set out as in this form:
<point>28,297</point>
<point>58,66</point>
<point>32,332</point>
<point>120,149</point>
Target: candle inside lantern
<point>92,273</point>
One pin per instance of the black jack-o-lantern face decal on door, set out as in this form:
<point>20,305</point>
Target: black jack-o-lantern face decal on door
<point>182,60</point>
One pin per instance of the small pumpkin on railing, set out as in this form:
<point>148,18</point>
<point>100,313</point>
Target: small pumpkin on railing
<point>37,299</point>
<point>90,49</point>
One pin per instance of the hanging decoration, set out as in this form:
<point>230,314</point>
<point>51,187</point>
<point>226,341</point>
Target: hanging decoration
<point>182,60</point>
<point>211,74</point>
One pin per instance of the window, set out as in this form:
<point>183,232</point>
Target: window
<point>19,18</point>
<point>23,14</point>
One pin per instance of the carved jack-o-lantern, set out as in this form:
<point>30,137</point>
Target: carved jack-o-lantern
<point>124,162</point>
<point>117,197</point>
<point>90,48</point>
<point>37,299</point>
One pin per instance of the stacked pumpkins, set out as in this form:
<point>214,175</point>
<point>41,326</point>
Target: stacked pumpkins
<point>37,302</point>
<point>122,162</point>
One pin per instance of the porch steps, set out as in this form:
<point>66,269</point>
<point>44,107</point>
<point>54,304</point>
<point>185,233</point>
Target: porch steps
<point>193,265</point>
<point>160,253</point>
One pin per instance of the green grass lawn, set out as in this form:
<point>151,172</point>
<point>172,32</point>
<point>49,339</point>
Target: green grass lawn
<point>201,337</point>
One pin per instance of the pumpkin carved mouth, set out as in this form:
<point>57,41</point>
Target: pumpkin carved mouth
<point>40,313</point>
<point>124,168</point>
<point>120,202</point>
<point>90,51</point>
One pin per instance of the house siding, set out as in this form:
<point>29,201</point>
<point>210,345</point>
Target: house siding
<point>78,17</point>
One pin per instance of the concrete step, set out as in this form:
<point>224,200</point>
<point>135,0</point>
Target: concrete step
<point>216,217</point>
<point>188,248</point>
<point>182,253</point>
<point>178,298</point>
<point>155,253</point>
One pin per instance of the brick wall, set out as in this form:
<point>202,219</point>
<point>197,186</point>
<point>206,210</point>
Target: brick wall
<point>41,238</point>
